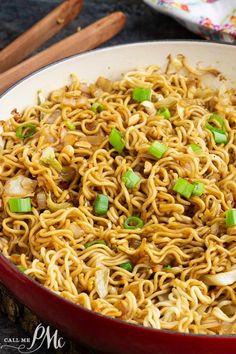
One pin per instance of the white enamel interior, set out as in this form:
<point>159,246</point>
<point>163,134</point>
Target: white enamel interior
<point>112,62</point>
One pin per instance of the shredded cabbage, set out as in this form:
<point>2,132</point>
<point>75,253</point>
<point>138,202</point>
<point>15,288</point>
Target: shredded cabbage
<point>101,281</point>
<point>220,279</point>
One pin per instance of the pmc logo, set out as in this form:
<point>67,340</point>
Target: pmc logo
<point>42,336</point>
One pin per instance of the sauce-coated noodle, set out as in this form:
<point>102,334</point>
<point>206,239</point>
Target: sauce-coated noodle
<point>153,275</point>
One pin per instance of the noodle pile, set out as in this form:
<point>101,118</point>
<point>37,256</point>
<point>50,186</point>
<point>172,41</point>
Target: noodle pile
<point>183,240</point>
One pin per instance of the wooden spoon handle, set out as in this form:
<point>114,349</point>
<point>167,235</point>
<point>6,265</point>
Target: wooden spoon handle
<point>88,38</point>
<point>32,39</point>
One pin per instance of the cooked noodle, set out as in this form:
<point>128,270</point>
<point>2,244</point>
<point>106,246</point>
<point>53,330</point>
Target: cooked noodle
<point>182,240</point>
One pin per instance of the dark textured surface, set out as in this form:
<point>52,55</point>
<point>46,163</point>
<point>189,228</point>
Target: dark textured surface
<point>142,24</point>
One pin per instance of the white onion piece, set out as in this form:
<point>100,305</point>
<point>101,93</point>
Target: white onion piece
<point>157,96</point>
<point>41,200</point>
<point>180,110</point>
<point>77,231</point>
<point>48,153</point>
<point>188,167</point>
<point>2,141</point>
<point>45,132</point>
<point>53,117</point>
<point>41,98</point>
<point>147,167</point>
<point>51,139</point>
<point>167,102</point>
<point>63,133</point>
<point>220,279</point>
<point>101,282</point>
<point>83,100</point>
<point>98,92</point>
<point>69,101</point>
<point>222,90</point>
<point>84,88</point>
<point>175,64</point>
<point>104,84</point>
<point>149,107</point>
<point>19,186</point>
<point>133,119</point>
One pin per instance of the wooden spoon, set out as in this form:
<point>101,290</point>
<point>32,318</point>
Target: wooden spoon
<point>32,39</point>
<point>88,38</point>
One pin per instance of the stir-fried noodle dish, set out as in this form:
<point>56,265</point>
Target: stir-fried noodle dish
<point>120,196</point>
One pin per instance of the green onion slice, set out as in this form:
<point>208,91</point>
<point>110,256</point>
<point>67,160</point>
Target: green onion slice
<point>95,242</point>
<point>20,205</point>
<point>131,179</point>
<point>220,138</point>
<point>199,188</point>
<point>164,112</point>
<point>127,266</point>
<point>116,140</point>
<point>183,187</point>
<point>167,266</point>
<point>21,268</point>
<point>101,204</point>
<point>157,149</point>
<point>70,125</point>
<point>141,94</point>
<point>48,157</point>
<point>26,130</point>
<point>133,222</point>
<point>230,217</point>
<point>216,125</point>
<point>97,107</point>
<point>195,148</point>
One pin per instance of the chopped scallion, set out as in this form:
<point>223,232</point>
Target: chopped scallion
<point>20,205</point>
<point>21,268</point>
<point>70,125</point>
<point>195,148</point>
<point>230,217</point>
<point>164,112</point>
<point>157,149</point>
<point>48,157</point>
<point>95,242</point>
<point>168,266</point>
<point>141,94</point>
<point>127,266</point>
<point>199,188</point>
<point>101,204</point>
<point>216,125</point>
<point>26,130</point>
<point>97,107</point>
<point>183,187</point>
<point>116,140</point>
<point>130,179</point>
<point>133,222</point>
<point>220,138</point>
